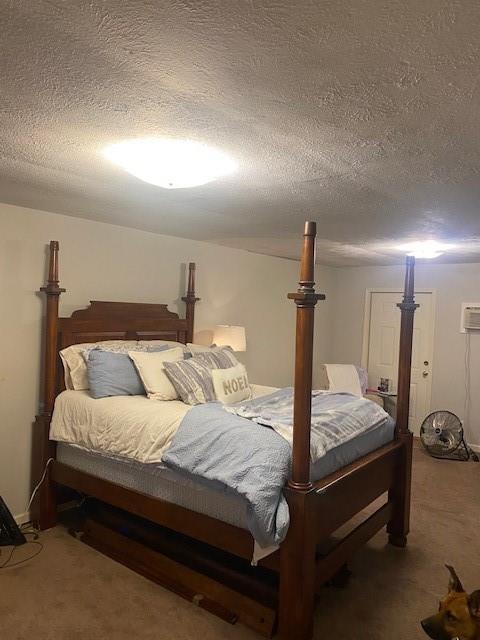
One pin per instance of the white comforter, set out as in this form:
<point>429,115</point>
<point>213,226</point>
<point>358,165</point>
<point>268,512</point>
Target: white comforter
<point>131,427</point>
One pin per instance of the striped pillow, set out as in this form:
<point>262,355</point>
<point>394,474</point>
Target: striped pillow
<point>217,358</point>
<point>192,378</point>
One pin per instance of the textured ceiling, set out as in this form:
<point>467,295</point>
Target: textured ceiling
<point>362,115</point>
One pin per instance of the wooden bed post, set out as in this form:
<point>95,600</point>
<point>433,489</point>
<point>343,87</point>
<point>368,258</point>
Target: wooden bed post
<point>45,507</point>
<point>305,298</point>
<point>297,576</point>
<point>190,301</point>
<point>399,525</point>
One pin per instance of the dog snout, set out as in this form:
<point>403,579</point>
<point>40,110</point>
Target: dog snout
<point>427,626</point>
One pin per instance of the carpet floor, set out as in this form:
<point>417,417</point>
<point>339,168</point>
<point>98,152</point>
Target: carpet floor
<point>71,592</point>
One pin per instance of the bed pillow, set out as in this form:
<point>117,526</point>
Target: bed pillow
<point>74,364</point>
<point>231,385</point>
<point>192,381</point>
<point>152,343</point>
<point>112,374</point>
<point>363,377</point>
<point>217,358</point>
<point>150,367</point>
<point>193,349</point>
<point>192,378</point>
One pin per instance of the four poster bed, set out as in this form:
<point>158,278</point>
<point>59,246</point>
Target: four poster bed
<point>199,556</point>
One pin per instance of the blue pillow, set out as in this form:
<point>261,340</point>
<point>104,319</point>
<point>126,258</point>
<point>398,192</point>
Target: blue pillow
<point>114,374</point>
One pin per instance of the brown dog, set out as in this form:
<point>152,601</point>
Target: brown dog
<point>458,617</point>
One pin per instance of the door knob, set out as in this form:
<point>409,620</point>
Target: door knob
<point>425,374</point>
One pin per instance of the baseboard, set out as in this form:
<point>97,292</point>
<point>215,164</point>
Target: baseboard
<point>22,518</point>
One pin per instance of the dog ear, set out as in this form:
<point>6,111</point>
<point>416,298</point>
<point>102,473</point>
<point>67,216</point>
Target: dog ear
<point>454,583</point>
<point>474,604</point>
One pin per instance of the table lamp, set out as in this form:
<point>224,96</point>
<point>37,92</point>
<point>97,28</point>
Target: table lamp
<point>231,336</point>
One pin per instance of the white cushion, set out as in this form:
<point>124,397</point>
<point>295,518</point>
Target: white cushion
<point>150,369</point>
<point>198,348</point>
<point>343,378</point>
<point>231,385</point>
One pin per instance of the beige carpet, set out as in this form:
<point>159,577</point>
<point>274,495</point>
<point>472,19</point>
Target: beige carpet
<point>71,592</point>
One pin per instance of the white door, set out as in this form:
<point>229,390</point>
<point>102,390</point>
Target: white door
<point>383,343</point>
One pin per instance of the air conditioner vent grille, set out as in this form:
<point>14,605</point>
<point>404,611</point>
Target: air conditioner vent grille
<point>472,318</point>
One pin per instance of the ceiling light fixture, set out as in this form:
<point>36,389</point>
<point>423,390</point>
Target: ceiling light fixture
<point>170,163</point>
<point>425,249</point>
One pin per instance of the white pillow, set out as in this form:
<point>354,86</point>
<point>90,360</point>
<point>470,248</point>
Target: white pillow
<point>150,369</point>
<point>231,385</point>
<point>198,348</point>
<point>159,343</point>
<point>74,364</point>
<point>195,349</point>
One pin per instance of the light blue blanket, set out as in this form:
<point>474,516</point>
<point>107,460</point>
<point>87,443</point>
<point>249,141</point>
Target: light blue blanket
<point>336,417</point>
<point>241,456</point>
<point>238,456</point>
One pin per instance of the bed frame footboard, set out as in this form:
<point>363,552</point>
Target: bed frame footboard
<point>313,551</point>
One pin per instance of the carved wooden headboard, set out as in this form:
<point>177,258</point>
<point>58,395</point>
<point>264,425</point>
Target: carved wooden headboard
<point>106,321</point>
<point>121,321</point>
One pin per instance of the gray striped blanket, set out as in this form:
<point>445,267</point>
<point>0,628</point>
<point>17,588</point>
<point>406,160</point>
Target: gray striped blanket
<point>336,417</point>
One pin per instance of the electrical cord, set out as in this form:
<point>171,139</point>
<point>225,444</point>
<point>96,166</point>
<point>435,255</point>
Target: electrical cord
<point>9,565</point>
<point>41,481</point>
<point>468,387</point>
<point>27,529</point>
<point>466,407</point>
<point>4,564</point>
<point>34,492</point>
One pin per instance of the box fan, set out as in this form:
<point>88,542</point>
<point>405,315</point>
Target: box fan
<point>442,436</point>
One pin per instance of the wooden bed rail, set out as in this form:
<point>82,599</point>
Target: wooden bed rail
<point>305,298</point>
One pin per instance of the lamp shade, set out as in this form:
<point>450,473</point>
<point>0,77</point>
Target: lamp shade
<point>231,336</point>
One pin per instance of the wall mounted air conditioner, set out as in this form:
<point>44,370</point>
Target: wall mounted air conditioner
<point>470,317</point>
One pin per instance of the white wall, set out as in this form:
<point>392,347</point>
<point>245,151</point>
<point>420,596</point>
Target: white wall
<point>104,262</point>
<point>454,284</point>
